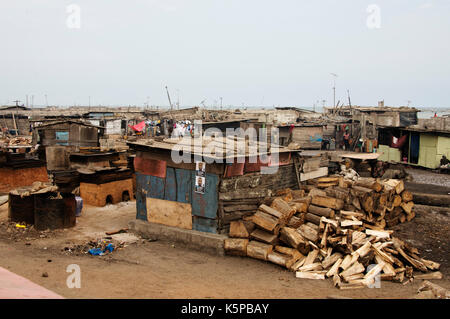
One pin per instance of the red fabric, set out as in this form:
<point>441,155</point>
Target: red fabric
<point>138,127</point>
<point>151,167</point>
<point>291,128</point>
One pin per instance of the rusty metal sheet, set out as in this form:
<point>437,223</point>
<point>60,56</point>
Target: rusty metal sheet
<point>151,167</point>
<point>206,205</point>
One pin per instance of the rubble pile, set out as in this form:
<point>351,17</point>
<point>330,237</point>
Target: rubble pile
<point>334,228</point>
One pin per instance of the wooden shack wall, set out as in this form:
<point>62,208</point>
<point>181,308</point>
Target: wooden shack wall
<point>308,137</point>
<point>241,195</point>
<point>79,135</point>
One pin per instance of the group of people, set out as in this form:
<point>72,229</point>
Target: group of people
<point>182,128</point>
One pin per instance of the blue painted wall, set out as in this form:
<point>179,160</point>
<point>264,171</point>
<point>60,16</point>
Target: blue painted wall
<point>178,186</point>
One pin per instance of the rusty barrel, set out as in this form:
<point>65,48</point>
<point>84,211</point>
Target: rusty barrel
<point>21,209</point>
<point>53,213</point>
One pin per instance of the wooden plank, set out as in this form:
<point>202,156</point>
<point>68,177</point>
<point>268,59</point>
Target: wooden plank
<point>322,171</point>
<point>263,236</point>
<point>169,213</point>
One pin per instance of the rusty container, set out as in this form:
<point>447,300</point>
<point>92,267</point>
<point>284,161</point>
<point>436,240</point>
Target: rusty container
<point>21,209</point>
<point>53,213</point>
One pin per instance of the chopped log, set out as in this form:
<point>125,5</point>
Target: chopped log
<point>291,237</point>
<point>438,291</point>
<point>298,193</point>
<point>264,236</point>
<point>347,223</point>
<point>265,221</point>
<point>311,267</point>
<point>410,216</point>
<point>277,258</point>
<point>402,218</point>
<point>321,211</point>
<point>309,275</point>
<point>238,230</point>
<point>350,214</point>
<point>370,276</point>
<point>429,276</point>
<point>361,191</point>
<point>283,207</point>
<point>234,246</point>
<point>415,263</point>
<point>397,201</point>
<point>273,212</point>
<point>363,250</point>
<point>306,200</point>
<point>346,262</point>
<point>299,207</point>
<point>296,222</point>
<point>312,218</point>
<point>430,264</point>
<point>258,250</point>
<point>298,264</point>
<point>353,278</point>
<point>407,207</point>
<point>407,196</point>
<point>379,233</point>
<point>316,192</point>
<point>325,185</point>
<point>311,257</point>
<point>330,260</point>
<point>356,268</point>
<point>308,232</point>
<point>370,183</point>
<point>367,204</point>
<point>384,256</point>
<point>394,184</point>
<point>338,192</point>
<point>329,202</point>
<point>335,268</point>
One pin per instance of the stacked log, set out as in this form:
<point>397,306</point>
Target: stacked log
<point>323,234</point>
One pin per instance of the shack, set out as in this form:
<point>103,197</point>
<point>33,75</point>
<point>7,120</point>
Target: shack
<point>60,138</point>
<point>205,191</point>
<point>423,144</point>
<point>307,135</point>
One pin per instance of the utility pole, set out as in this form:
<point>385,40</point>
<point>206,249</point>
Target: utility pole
<point>334,88</point>
<point>220,103</point>
<point>46,101</point>
<point>170,102</point>
<point>349,102</point>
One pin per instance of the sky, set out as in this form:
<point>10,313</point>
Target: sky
<point>247,52</point>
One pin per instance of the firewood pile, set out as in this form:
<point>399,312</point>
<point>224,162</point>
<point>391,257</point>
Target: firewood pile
<point>334,228</point>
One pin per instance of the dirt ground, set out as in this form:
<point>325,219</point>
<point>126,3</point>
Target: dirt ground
<point>154,269</point>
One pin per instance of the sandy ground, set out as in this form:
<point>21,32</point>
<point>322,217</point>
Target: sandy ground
<point>153,269</point>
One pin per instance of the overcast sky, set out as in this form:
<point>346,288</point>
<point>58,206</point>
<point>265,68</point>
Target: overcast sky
<point>251,52</point>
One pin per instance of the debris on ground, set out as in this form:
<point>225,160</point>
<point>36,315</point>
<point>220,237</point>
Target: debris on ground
<point>335,228</point>
<point>430,290</point>
<point>99,247</point>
